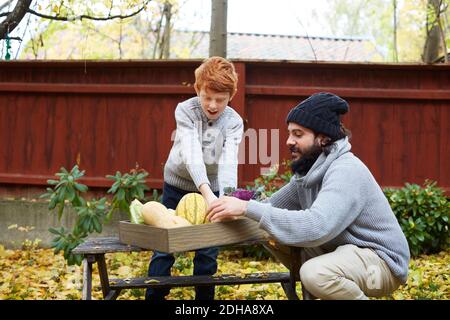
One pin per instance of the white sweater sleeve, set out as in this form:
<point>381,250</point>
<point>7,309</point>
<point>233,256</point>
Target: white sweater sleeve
<point>228,162</point>
<point>190,150</point>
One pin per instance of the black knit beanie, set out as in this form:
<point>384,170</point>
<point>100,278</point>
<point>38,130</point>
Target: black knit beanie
<point>320,113</point>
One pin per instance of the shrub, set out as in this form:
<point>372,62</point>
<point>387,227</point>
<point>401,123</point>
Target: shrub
<point>423,214</point>
<point>92,214</point>
<point>269,183</point>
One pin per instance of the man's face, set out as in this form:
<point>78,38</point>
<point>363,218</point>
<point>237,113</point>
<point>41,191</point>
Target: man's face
<point>305,147</point>
<point>300,140</point>
<point>213,102</point>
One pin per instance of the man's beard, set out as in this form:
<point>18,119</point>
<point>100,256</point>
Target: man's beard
<point>301,166</point>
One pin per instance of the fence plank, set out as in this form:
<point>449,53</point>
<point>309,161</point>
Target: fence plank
<point>110,116</point>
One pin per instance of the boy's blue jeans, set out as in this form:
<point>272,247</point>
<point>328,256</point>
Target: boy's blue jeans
<point>205,260</point>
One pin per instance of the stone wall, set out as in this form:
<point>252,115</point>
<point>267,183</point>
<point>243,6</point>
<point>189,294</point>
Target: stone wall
<point>33,219</point>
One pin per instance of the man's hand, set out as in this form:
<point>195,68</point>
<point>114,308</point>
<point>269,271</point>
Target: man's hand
<point>226,208</point>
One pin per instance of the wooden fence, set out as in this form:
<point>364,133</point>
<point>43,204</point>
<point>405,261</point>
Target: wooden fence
<point>108,116</point>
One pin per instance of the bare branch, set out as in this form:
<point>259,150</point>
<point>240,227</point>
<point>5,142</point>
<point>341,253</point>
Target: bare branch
<point>6,4</point>
<point>4,14</point>
<point>23,7</point>
<point>83,16</point>
<point>307,38</point>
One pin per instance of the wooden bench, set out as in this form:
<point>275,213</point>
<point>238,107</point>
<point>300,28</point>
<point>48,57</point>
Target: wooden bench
<point>94,251</point>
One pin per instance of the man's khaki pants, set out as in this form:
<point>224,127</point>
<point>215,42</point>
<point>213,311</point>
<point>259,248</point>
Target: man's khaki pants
<point>348,273</point>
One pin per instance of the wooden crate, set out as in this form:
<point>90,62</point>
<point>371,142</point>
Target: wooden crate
<point>191,237</point>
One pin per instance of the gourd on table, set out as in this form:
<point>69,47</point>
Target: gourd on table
<point>191,210</point>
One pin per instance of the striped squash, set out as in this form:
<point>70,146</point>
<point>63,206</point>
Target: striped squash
<point>192,207</point>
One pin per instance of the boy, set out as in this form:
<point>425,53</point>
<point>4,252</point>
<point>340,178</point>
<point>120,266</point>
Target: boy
<point>203,158</point>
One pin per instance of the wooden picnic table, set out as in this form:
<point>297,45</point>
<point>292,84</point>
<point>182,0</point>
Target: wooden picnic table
<point>94,250</point>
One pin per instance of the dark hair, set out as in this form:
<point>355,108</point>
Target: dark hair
<point>344,132</point>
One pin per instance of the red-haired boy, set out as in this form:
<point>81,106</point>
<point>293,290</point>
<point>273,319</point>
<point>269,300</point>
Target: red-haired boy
<point>203,159</point>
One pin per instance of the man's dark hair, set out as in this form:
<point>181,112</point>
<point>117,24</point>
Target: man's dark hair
<point>344,132</point>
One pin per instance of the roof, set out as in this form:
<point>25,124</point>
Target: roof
<point>275,47</point>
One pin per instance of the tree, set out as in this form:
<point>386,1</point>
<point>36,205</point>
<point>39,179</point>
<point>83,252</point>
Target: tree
<point>14,17</point>
<point>60,12</point>
<point>97,29</point>
<point>435,32</point>
<point>218,31</point>
<point>163,33</point>
<point>361,18</point>
<point>395,44</point>
<point>412,30</point>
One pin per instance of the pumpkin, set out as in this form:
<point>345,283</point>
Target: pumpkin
<point>157,215</point>
<point>192,207</point>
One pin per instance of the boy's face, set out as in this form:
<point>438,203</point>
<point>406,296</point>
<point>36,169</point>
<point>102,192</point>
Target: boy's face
<point>213,102</point>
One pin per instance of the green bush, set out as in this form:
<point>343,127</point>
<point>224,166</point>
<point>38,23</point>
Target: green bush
<point>91,214</point>
<point>423,214</point>
<point>270,182</point>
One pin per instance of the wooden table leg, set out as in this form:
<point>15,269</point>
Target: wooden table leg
<point>87,277</point>
<point>108,294</point>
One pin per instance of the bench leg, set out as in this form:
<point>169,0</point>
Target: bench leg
<point>289,290</point>
<point>113,294</point>
<point>86,293</point>
<point>294,272</point>
<point>297,257</point>
<point>307,295</point>
<point>289,257</point>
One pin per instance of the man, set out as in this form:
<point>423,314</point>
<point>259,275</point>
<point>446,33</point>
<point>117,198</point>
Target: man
<point>333,207</point>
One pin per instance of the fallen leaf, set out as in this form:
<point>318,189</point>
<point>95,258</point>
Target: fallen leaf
<point>151,281</point>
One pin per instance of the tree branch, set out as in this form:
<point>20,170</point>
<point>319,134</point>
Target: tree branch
<point>23,7</point>
<point>83,16</point>
<point>6,4</point>
<point>14,18</point>
<point>4,14</point>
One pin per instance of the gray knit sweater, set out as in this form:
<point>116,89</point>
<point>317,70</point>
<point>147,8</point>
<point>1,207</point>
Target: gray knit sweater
<point>337,202</point>
<point>204,151</point>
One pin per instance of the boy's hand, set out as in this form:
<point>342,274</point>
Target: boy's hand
<point>210,199</point>
<point>207,194</point>
<point>226,208</point>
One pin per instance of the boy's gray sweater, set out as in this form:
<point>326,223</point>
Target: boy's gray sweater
<point>337,202</point>
<point>204,151</point>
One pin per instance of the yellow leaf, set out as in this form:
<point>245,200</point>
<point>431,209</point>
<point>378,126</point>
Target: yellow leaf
<point>151,281</point>
<point>124,271</point>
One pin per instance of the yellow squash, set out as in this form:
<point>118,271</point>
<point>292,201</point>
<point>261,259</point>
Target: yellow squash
<point>157,215</point>
<point>192,207</point>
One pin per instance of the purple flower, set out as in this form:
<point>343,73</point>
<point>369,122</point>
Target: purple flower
<point>243,194</point>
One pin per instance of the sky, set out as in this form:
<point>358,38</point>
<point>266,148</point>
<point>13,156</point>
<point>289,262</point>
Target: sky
<point>287,17</point>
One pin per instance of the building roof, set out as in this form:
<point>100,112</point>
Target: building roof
<point>275,47</point>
